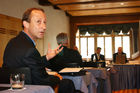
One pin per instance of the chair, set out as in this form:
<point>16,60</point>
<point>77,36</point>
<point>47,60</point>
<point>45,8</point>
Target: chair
<point>5,74</point>
<point>89,64</point>
<point>67,86</point>
<point>72,65</point>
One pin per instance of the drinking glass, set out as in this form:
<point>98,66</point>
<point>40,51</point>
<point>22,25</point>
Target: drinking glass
<point>17,81</point>
<point>99,65</point>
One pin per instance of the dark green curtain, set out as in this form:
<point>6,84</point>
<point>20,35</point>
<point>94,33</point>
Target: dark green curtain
<point>99,29</point>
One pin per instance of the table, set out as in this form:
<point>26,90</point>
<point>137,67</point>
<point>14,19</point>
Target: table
<point>84,83</point>
<point>29,89</point>
<point>103,76</point>
<point>127,76</point>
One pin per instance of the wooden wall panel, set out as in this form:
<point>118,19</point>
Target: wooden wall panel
<point>9,28</point>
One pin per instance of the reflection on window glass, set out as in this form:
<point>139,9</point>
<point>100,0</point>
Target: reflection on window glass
<point>90,47</point>
<point>108,47</point>
<point>77,42</point>
<point>84,47</point>
<point>117,43</point>
<point>100,43</point>
<point>77,34</point>
<point>126,45</point>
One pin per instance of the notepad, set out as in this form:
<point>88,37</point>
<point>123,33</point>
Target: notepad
<point>69,70</point>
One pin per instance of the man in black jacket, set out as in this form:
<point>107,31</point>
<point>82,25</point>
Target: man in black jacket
<point>21,51</point>
<point>97,56</point>
<point>67,57</point>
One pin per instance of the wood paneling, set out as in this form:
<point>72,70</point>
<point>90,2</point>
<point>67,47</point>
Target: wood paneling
<point>9,28</point>
<point>102,6</point>
<point>97,7</point>
<point>105,12</point>
<point>94,20</point>
<point>70,1</point>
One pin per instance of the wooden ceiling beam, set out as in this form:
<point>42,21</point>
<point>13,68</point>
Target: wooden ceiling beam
<point>105,12</point>
<point>96,7</point>
<point>99,5</point>
<point>55,2</point>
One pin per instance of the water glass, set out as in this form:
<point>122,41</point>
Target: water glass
<point>99,65</point>
<point>17,81</point>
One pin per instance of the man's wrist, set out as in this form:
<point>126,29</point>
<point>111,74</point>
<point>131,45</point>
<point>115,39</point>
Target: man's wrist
<point>47,57</point>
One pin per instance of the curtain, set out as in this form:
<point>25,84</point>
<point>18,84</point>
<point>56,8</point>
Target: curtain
<point>99,29</point>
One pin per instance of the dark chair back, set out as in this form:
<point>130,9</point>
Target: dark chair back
<point>5,74</point>
<point>89,64</point>
<point>67,86</point>
<point>101,63</point>
<point>72,65</point>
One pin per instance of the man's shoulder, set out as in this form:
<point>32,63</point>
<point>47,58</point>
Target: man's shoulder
<point>70,50</point>
<point>74,51</point>
<point>18,38</point>
<point>115,54</point>
<point>93,54</point>
<point>101,54</point>
<point>124,53</point>
<point>19,44</point>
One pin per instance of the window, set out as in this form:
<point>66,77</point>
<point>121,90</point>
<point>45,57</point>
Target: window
<point>90,46</point>
<point>108,47</point>
<point>87,44</point>
<point>100,43</point>
<point>83,45</point>
<point>126,45</point>
<point>118,42</point>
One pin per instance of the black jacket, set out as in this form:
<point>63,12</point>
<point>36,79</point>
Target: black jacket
<point>65,57</point>
<point>21,52</point>
<point>96,58</point>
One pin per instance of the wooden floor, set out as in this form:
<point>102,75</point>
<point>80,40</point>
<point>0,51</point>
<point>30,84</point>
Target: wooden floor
<point>127,91</point>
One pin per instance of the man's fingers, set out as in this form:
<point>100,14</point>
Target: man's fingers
<point>59,49</point>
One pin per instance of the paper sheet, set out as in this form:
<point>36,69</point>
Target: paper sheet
<point>67,70</point>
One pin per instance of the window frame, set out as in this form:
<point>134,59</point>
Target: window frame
<point>113,35</point>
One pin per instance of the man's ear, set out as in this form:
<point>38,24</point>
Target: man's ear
<point>26,24</point>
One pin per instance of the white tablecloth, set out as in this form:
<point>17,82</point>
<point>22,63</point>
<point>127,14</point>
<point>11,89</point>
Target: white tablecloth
<point>84,83</point>
<point>103,74</point>
<point>28,89</point>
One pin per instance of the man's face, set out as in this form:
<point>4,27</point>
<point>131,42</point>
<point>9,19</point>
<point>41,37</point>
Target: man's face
<point>37,24</point>
<point>98,51</point>
<point>119,50</point>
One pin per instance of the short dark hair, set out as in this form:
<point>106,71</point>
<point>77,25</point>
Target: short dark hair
<point>98,48</point>
<point>61,38</point>
<point>27,13</point>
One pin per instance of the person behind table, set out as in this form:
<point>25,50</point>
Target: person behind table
<point>97,56</point>
<point>66,56</point>
<point>120,52</point>
<point>21,51</point>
